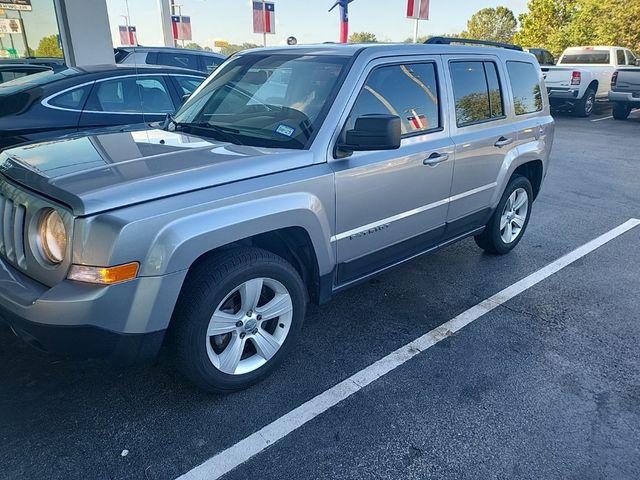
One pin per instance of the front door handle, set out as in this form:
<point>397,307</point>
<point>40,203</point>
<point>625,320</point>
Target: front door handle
<point>435,158</point>
<point>503,142</point>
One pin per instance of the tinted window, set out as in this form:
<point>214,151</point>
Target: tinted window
<point>631,58</point>
<point>8,76</point>
<point>72,99</point>
<point>621,58</point>
<point>183,60</point>
<point>477,92</point>
<point>587,57</point>
<point>525,84</point>
<point>211,63</point>
<point>549,60</point>
<point>408,91</point>
<point>131,95</point>
<point>188,84</point>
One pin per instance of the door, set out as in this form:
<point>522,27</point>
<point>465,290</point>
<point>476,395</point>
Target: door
<point>392,204</point>
<point>127,100</point>
<point>483,136</point>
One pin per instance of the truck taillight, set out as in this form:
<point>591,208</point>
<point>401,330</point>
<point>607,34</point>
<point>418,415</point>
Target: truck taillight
<point>614,79</point>
<point>576,78</point>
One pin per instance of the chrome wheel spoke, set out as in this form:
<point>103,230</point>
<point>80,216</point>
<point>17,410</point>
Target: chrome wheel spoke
<point>518,221</point>
<point>520,201</point>
<point>222,322</point>
<point>503,221</point>
<point>250,294</point>
<point>278,306</point>
<point>266,344</point>
<point>231,355</point>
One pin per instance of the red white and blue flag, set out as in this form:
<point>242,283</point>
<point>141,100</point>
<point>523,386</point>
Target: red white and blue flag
<point>127,35</point>
<point>418,9</point>
<point>181,27</point>
<point>264,17</point>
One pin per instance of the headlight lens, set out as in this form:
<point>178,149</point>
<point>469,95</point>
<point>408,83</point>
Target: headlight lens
<point>53,236</point>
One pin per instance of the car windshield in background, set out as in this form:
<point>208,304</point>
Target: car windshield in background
<point>587,57</point>
<point>266,100</point>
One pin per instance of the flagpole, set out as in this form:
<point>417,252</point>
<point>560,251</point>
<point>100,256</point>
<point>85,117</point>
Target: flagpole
<point>264,23</point>
<point>415,31</point>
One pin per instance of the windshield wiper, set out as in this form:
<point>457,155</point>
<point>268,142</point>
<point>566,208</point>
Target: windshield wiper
<point>227,133</point>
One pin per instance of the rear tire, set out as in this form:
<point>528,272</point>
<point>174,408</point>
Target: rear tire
<point>621,111</point>
<point>584,106</point>
<point>509,221</point>
<point>238,315</point>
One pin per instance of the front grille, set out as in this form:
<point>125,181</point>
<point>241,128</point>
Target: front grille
<point>12,220</point>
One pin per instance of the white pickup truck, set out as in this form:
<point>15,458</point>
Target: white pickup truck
<point>583,75</point>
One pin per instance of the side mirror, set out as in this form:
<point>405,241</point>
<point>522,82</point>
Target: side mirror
<point>373,132</point>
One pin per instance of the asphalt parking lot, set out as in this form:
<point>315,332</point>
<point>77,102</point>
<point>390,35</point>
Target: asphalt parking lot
<point>546,385</point>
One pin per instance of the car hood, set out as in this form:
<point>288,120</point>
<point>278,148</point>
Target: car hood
<point>96,173</point>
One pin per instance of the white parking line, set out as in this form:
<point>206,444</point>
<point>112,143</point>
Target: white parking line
<point>603,118</point>
<point>245,449</point>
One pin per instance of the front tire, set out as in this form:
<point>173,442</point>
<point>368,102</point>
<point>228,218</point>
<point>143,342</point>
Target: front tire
<point>584,106</point>
<point>621,111</point>
<point>509,221</point>
<point>238,315</point>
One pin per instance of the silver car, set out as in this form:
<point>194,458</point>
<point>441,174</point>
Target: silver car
<point>289,175</point>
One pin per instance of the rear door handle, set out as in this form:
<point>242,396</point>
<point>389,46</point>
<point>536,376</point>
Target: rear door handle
<point>435,158</point>
<point>503,142</point>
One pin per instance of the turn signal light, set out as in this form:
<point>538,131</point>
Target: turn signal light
<point>104,275</point>
<point>576,78</point>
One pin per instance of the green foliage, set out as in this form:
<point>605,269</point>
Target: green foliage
<point>363,37</point>
<point>496,24</point>
<point>231,49</point>
<point>193,46</point>
<point>558,24</point>
<point>48,47</point>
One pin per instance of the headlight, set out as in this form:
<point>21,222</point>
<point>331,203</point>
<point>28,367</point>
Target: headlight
<point>53,236</point>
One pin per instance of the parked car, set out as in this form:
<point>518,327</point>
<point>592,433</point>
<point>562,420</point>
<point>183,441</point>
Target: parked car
<point>173,57</point>
<point>56,64</point>
<point>544,57</point>
<point>583,75</point>
<point>47,104</point>
<point>18,70</point>
<point>625,92</point>
<point>212,233</point>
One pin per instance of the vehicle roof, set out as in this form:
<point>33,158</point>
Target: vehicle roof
<point>169,49</point>
<point>388,49</point>
<point>589,47</point>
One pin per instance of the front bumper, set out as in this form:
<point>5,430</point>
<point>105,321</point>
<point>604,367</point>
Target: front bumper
<point>124,322</point>
<point>625,97</point>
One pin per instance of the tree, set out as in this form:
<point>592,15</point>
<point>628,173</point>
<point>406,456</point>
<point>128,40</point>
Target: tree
<point>496,24</point>
<point>231,48</point>
<point>48,47</point>
<point>363,37</point>
<point>557,24</point>
<point>208,49</point>
<point>193,46</point>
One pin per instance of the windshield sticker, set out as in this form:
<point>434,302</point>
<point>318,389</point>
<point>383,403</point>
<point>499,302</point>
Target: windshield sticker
<point>285,130</point>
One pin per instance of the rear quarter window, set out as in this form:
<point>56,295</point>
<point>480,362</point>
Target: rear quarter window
<point>525,85</point>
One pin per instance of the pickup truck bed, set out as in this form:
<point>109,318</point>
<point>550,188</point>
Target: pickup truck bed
<point>625,91</point>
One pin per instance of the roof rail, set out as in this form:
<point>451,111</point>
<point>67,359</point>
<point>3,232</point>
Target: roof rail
<point>472,41</point>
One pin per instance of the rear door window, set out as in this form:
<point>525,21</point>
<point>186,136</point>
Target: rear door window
<point>477,92</point>
<point>182,60</point>
<point>188,84</point>
<point>409,91</point>
<point>131,95</point>
<point>525,84</point>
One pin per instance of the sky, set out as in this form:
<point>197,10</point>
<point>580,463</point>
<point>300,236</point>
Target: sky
<point>308,20</point>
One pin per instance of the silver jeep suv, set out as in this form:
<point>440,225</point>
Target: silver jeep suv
<point>289,175</point>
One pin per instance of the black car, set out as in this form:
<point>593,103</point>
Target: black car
<point>545,57</point>
<point>48,104</point>
<point>173,57</point>
<point>12,71</point>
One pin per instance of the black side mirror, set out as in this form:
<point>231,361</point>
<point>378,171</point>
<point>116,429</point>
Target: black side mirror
<point>373,132</point>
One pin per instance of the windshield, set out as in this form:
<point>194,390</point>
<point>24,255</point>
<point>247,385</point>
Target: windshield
<point>587,57</point>
<point>266,100</point>
<point>24,83</point>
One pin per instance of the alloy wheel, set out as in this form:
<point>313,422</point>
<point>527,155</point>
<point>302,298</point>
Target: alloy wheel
<point>514,215</point>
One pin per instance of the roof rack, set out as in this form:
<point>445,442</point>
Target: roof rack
<point>472,41</point>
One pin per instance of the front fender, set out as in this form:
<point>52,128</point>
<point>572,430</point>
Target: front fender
<point>184,240</point>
